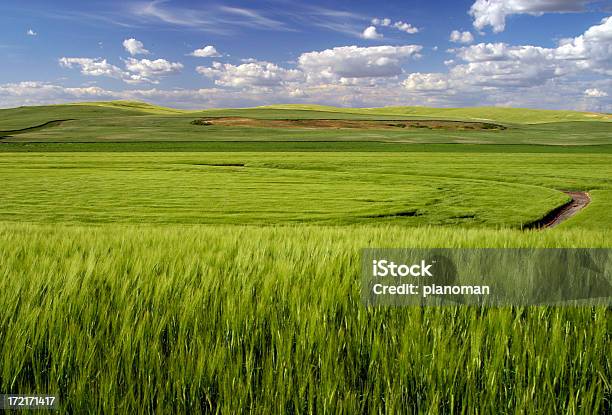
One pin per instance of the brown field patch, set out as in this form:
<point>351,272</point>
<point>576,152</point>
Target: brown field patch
<point>348,124</point>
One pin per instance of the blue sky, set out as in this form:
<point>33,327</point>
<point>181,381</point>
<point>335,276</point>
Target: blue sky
<point>197,54</point>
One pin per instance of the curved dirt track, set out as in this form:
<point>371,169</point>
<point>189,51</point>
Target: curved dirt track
<point>579,201</point>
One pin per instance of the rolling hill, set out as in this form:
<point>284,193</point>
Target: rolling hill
<point>126,121</point>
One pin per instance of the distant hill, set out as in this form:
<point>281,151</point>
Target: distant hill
<point>24,117</point>
<point>499,114</point>
<point>28,117</point>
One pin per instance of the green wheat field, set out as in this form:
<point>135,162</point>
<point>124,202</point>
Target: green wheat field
<point>151,264</point>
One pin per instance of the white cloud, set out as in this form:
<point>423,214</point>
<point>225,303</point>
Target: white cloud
<point>214,18</point>
<point>206,52</point>
<point>485,52</point>
<point>145,70</point>
<point>348,65</point>
<point>427,82</point>
<point>356,62</point>
<point>227,20</point>
<point>134,47</point>
<point>399,25</point>
<point>575,74</point>
<point>38,93</point>
<point>249,75</point>
<point>31,32</point>
<point>35,87</point>
<point>405,27</point>
<point>297,93</point>
<point>595,93</point>
<point>591,50</point>
<point>371,33</point>
<point>526,65</point>
<point>420,89</point>
<point>494,12</point>
<point>381,22</point>
<point>503,73</point>
<point>93,67</point>
<point>567,76</point>
<point>461,37</point>
<point>503,65</point>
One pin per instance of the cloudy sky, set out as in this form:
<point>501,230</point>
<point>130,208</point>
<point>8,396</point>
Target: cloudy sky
<point>198,54</point>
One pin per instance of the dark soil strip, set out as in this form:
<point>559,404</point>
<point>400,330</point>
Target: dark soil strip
<point>409,213</point>
<point>52,123</point>
<point>579,201</point>
<point>220,164</point>
<point>345,123</point>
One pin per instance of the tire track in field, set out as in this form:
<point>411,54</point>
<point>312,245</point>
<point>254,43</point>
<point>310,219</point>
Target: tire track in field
<point>560,214</point>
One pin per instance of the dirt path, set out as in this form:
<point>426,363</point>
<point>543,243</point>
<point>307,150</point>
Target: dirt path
<point>579,201</point>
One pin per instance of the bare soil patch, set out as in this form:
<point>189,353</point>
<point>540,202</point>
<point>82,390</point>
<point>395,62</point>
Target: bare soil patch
<point>341,124</point>
<point>579,201</point>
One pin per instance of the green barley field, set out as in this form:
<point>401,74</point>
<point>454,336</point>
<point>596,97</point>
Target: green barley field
<point>154,265</point>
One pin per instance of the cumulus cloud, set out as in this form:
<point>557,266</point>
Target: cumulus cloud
<point>577,71</point>
<point>145,70</point>
<point>142,70</point>
<point>494,12</point>
<point>134,47</point>
<point>386,22</point>
<point>486,52</point>
<point>595,93</point>
<point>356,62</point>
<point>297,93</point>
<point>497,63</point>
<point>249,75</point>
<point>592,50</point>
<point>371,33</point>
<point>31,32</point>
<point>206,52</point>
<point>503,65</point>
<point>347,65</point>
<point>420,89</point>
<point>503,73</point>
<point>461,37</point>
<point>381,22</point>
<point>35,88</point>
<point>38,93</point>
<point>405,27</point>
<point>136,70</point>
<point>427,82</point>
<point>92,67</point>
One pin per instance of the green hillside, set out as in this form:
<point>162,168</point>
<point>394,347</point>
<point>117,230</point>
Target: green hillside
<point>126,121</point>
<point>133,105</point>
<point>498,114</point>
<point>23,117</point>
